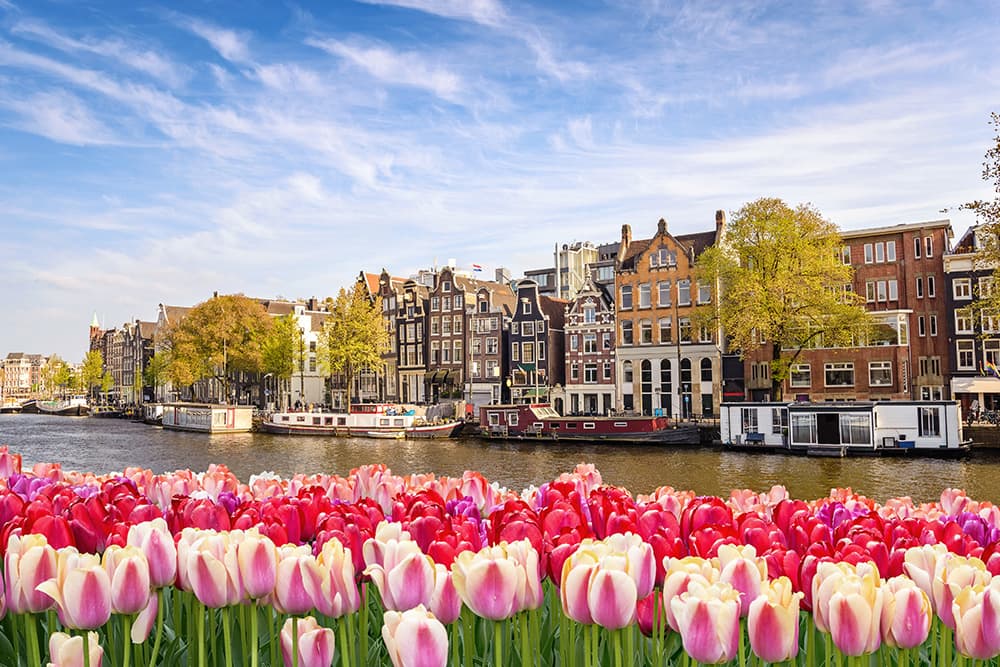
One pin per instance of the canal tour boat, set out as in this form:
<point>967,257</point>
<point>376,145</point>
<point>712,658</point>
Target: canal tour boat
<point>540,421</point>
<point>372,420</point>
<point>74,406</point>
<point>208,417</point>
<point>845,428</point>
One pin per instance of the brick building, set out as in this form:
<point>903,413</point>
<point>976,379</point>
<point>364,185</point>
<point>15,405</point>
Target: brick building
<point>590,352</point>
<point>411,332</point>
<point>536,367</point>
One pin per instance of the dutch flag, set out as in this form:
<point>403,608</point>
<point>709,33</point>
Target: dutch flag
<point>476,267</point>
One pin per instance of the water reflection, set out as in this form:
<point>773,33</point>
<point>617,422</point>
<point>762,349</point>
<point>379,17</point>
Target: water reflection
<point>102,445</point>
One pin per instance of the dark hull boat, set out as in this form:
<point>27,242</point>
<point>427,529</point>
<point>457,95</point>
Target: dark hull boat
<point>542,422</point>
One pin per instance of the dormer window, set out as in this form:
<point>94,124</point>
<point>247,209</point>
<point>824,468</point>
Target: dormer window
<point>589,315</point>
<point>446,286</point>
<point>484,306</point>
<point>526,307</point>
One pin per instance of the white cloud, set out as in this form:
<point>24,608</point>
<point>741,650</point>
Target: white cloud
<point>484,12</point>
<point>230,44</point>
<point>398,68</point>
<point>59,116</point>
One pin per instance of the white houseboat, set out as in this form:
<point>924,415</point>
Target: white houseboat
<point>375,420</point>
<point>208,417</point>
<point>843,428</point>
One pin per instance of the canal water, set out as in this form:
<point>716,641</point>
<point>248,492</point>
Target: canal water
<point>105,445</point>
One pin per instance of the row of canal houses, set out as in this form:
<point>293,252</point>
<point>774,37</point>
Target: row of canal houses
<point>623,338</point>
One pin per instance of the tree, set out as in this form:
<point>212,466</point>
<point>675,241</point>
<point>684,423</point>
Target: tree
<point>217,338</point>
<point>354,335</point>
<point>988,220</point>
<point>782,280</point>
<point>156,371</point>
<point>92,371</point>
<point>107,382</point>
<point>57,373</point>
<point>284,350</point>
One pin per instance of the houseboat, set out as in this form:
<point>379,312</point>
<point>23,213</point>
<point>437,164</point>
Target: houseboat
<point>74,406</point>
<point>541,421</point>
<point>208,417</point>
<point>374,420</point>
<point>845,428</point>
<point>152,414</point>
<point>10,407</point>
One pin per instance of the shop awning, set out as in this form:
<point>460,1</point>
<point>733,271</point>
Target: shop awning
<point>535,392</point>
<point>432,376</point>
<point>527,368</point>
<point>975,385</point>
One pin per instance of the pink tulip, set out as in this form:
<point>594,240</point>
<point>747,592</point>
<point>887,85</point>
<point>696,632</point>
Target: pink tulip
<point>414,638</point>
<point>374,548</point>
<point>906,614</point>
<point>954,574</point>
<point>640,560</point>
<point>211,570</point>
<point>976,611</point>
<point>531,595</point>
<point>921,564</point>
<point>741,568</point>
<point>81,590</point>
<point>257,558</point>
<point>338,594</point>
<point>145,621</point>
<point>128,571</point>
<point>489,582</point>
<point>773,621</point>
<point>855,611</point>
<point>680,573</point>
<point>156,542</point>
<point>406,576</point>
<point>574,584</point>
<point>10,464</point>
<point>66,651</point>
<point>612,595</point>
<point>316,644</point>
<point>708,618</point>
<point>445,604</point>
<point>28,562</point>
<point>298,581</point>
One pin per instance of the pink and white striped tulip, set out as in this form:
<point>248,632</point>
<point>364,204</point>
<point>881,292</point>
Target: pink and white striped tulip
<point>639,557</point>
<point>414,638</point>
<point>145,621</point>
<point>446,605</point>
<point>211,570</point>
<point>298,581</point>
<point>976,610</point>
<point>954,574</point>
<point>338,594</point>
<point>854,611</point>
<point>741,568</point>
<point>316,644</point>
<point>374,548</point>
<point>531,595</point>
<point>257,558</point>
<point>708,618</point>
<point>128,571</point>
<point>922,563</point>
<point>906,614</point>
<point>680,573</point>
<point>406,576</point>
<point>489,582</point>
<point>81,590</point>
<point>773,621</point>
<point>29,561</point>
<point>156,542</point>
<point>66,651</point>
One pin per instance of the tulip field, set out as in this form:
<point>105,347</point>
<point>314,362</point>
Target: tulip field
<point>195,569</point>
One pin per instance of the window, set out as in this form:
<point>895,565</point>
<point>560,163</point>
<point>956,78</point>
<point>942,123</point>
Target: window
<point>704,293</point>
<point>962,288</point>
<point>491,346</point>
<point>445,353</point>
<point>684,329</point>
<point>991,350</point>
<point>930,418</point>
<point>527,328</point>
<point>666,333</point>
<point>625,302</point>
<point>435,352</point>
<point>435,303</point>
<point>645,332</point>
<point>492,368</point>
<point>540,326</point>
<point>931,393</point>
<point>446,326</point>
<point>526,307</point>
<point>920,287</point>
<point>963,320</point>
<point>839,374</point>
<point>606,273</point>
<point>446,303</point>
<point>541,350</point>
<point>590,373</point>
<point>706,371</point>
<point>477,347</point>
<point>932,320</point>
<point>801,375</point>
<point>880,373</point>
<point>890,251</point>
<point>590,343</point>
<point>845,254</point>
<point>663,293</point>
<point>574,343</point>
<point>484,306</point>
<point>684,292</point>
<point>457,346</point>
<point>435,326</point>
<point>514,327</point>
<point>749,420</point>
<point>607,370</point>
<point>893,290</point>
<point>966,354</point>
<point>990,321</point>
<point>589,314</point>
<point>931,288</point>
<point>869,255</point>
<point>475,369</point>
<point>928,246</point>
<point>627,332</point>
<point>528,353</point>
<point>804,428</point>
<point>606,340</point>
<point>881,290</point>
<point>870,291</point>
<point>880,253</point>
<point>574,371</point>
<point>515,352</point>
<point>644,296</point>
<point>779,420</point>
<point>916,247</point>
<point>456,325</point>
<point>704,334</point>
<point>627,371</point>
<point>920,326</point>
<point>855,429</point>
<point>985,286</point>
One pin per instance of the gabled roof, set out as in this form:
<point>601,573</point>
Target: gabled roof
<point>555,309</point>
<point>146,329</point>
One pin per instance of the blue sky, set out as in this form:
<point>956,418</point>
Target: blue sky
<point>155,153</point>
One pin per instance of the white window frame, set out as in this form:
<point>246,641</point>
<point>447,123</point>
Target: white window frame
<point>890,251</point>
<point>965,347</point>
<point>869,254</point>
<point>881,367</point>
<point>961,289</point>
<point>800,375</point>
<point>963,321</point>
<point>837,366</point>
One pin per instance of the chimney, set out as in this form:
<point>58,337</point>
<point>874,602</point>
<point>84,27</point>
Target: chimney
<point>626,241</point>
<point>720,223</point>
<point>661,227</point>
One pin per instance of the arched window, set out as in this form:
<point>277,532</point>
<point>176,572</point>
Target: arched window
<point>646,386</point>
<point>666,387</point>
<point>706,370</point>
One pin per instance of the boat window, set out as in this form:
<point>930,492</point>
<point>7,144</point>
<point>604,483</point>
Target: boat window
<point>328,421</point>
<point>383,422</point>
<point>538,425</point>
<point>397,422</point>
<point>621,424</point>
<point>493,418</point>
<point>855,429</point>
<point>341,421</point>
<point>554,425</point>
<point>589,425</point>
<point>779,420</point>
<point>512,418</point>
<point>930,421</point>
<point>804,428</point>
<point>300,418</point>
<point>317,421</point>
<point>284,418</point>
<point>749,420</point>
<point>570,424</point>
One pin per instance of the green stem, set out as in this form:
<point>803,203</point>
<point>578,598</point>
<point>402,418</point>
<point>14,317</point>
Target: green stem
<point>616,640</point>
<point>272,643</point>
<point>453,633</point>
<point>468,638</point>
<point>743,644</point>
<point>126,640</point>
<point>363,658</point>
<point>295,641</point>
<point>525,640</point>
<point>254,649</point>
<point>227,635</point>
<point>497,645</point>
<point>161,610</point>
<point>200,623</point>
<point>345,654</point>
<point>31,630</point>
<point>86,648</point>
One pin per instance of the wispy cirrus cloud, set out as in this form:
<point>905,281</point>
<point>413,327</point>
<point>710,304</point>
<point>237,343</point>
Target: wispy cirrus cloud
<point>484,12</point>
<point>233,45</point>
<point>59,116</point>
